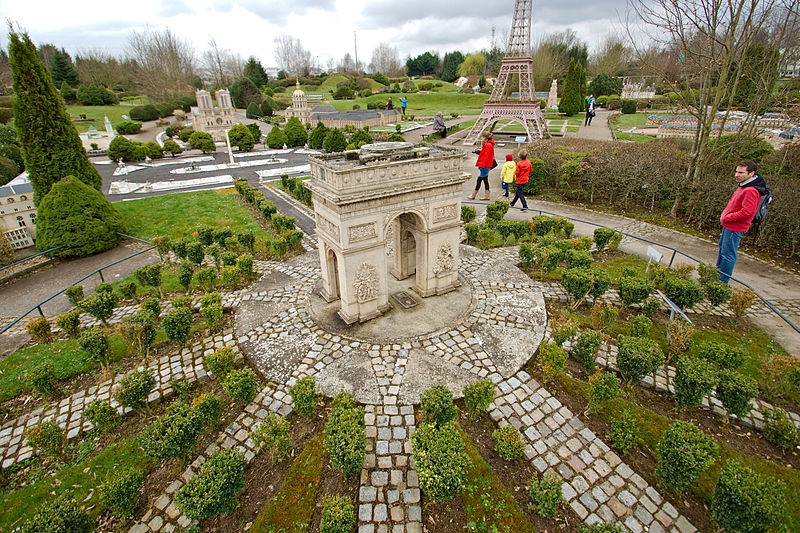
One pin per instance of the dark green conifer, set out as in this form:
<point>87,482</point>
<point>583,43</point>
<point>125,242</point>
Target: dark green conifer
<point>51,146</point>
<point>62,69</point>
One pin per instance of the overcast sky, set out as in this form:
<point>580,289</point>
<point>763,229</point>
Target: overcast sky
<point>325,27</point>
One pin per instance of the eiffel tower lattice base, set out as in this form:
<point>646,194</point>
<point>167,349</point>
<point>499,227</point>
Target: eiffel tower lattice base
<point>528,115</point>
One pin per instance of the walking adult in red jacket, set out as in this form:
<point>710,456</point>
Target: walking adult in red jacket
<point>484,164</point>
<point>738,215</point>
<point>522,174</point>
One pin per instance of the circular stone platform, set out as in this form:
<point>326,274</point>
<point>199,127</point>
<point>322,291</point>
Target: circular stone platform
<point>489,327</point>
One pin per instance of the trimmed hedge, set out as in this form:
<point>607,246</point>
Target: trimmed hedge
<point>746,501</point>
<point>213,491</point>
<point>440,460</point>
<point>684,453</point>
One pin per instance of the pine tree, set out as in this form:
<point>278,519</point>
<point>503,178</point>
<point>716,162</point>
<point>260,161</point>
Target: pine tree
<point>51,146</point>
<point>570,96</point>
<point>255,71</point>
<point>61,69</point>
<point>582,87</point>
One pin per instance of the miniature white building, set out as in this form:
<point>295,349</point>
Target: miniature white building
<point>552,96</point>
<point>17,212</point>
<point>299,109</point>
<point>214,120</point>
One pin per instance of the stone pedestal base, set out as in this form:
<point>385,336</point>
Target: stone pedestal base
<point>361,318</point>
<point>438,290</point>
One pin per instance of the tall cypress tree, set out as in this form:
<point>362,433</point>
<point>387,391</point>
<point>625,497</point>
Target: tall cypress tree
<point>570,96</point>
<point>62,70</point>
<point>51,146</point>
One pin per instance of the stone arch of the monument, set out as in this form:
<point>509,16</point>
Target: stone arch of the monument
<point>408,195</point>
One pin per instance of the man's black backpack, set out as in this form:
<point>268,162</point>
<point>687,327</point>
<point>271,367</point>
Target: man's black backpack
<point>761,211</point>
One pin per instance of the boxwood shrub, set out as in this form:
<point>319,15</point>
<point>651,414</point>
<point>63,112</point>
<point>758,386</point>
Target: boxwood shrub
<point>61,515</point>
<point>634,289</point>
<point>779,428</point>
<point>744,500</point>
<point>48,437</point>
<point>602,236</point>
<point>345,436</point>
<point>552,357</point>
<point>478,396</point>
<point>304,396</point>
<point>39,330</point>
<point>440,460</point>
<point>437,405</point>
<point>241,385</point>
<point>640,326</point>
<point>178,324</point>
<point>42,377</point>
<point>545,495</point>
<point>220,362</point>
<point>685,293</point>
<point>273,434</point>
<point>585,348</point>
<point>338,515</point>
<point>624,431</point>
<point>694,378</point>
<point>721,354</point>
<point>684,453</point>
<point>507,443</point>
<point>120,492</point>
<point>172,434</point>
<point>717,292</point>
<point>101,415</point>
<point>134,388</point>
<point>638,357</point>
<point>736,391</point>
<point>213,491</point>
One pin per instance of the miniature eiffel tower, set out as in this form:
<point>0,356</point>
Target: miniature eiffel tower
<point>517,61</point>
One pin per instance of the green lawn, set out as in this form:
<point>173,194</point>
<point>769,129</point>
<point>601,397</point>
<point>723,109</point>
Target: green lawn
<point>635,137</point>
<point>69,360</point>
<point>80,480</point>
<point>622,121</point>
<point>178,216</point>
<point>427,104</point>
<point>98,113</point>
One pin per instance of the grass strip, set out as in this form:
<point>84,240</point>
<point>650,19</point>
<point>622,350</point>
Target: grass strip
<point>80,480</point>
<point>291,508</point>
<point>69,360</point>
<point>489,505</point>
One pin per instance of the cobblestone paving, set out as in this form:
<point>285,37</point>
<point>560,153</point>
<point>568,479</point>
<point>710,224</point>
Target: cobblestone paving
<point>187,365</point>
<point>388,377</point>
<point>164,515</point>
<point>607,358</point>
<point>598,486</point>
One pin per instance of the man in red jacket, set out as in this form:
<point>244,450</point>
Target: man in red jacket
<point>738,215</point>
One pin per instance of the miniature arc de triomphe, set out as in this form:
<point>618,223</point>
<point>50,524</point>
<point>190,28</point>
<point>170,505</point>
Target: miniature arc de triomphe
<point>394,191</point>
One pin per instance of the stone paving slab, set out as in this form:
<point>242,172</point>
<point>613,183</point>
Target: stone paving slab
<point>162,514</point>
<point>597,484</point>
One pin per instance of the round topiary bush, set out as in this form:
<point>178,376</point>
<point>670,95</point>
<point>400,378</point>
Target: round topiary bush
<point>178,324</point>
<point>334,141</point>
<point>746,501</point>
<point>241,385</point>
<point>507,443</point>
<point>478,396</point>
<point>78,218</point>
<point>134,389</point>
<point>120,492</point>
<point>638,357</point>
<point>213,491</point>
<point>585,348</point>
<point>684,453</point>
<point>440,460</point>
<point>721,354</point>
<point>345,435</point>
<point>59,515</point>
<point>634,289</point>
<point>736,391</point>
<point>437,405</point>
<point>685,293</point>
<point>338,515</point>
<point>694,378</point>
<point>304,396</point>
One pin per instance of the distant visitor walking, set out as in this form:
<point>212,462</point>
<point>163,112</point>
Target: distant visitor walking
<point>403,104</point>
<point>522,174</point>
<point>485,163</point>
<point>507,174</point>
<point>738,215</point>
<point>438,124</point>
<point>390,105</point>
<point>589,111</point>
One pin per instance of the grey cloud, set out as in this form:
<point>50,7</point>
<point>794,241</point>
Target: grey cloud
<point>382,13</point>
<point>277,12</point>
<point>178,7</point>
<point>110,36</point>
<point>444,35</point>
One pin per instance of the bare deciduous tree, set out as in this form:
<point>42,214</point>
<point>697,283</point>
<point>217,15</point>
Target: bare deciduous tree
<point>221,67</point>
<point>613,57</point>
<point>386,60</point>
<point>96,67</point>
<point>292,57</point>
<point>709,41</point>
<point>547,66</point>
<point>165,63</point>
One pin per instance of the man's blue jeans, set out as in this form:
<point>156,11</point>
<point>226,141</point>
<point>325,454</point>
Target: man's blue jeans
<point>728,245</point>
